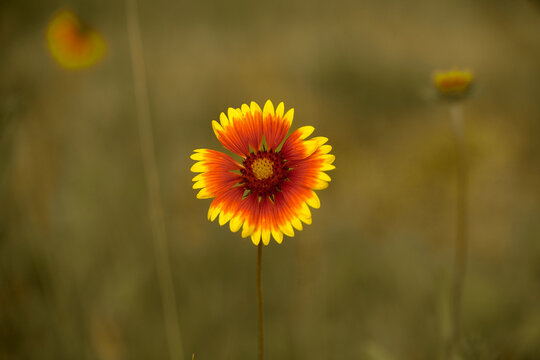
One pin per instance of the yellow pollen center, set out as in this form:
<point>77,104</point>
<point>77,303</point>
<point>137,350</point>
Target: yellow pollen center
<point>262,168</point>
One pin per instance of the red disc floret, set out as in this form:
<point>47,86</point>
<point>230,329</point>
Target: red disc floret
<point>269,185</point>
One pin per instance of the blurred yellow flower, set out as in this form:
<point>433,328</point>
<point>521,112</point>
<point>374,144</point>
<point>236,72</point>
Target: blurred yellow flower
<point>454,82</point>
<point>73,44</point>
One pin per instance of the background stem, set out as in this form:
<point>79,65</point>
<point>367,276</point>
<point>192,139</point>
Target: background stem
<point>460,250</point>
<point>161,252</point>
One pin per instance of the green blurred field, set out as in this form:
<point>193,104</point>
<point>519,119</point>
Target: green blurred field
<point>369,279</point>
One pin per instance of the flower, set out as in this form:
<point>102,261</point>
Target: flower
<point>269,192</point>
<point>71,43</point>
<point>454,82</point>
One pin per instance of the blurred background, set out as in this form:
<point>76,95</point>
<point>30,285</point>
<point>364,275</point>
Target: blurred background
<point>369,279</point>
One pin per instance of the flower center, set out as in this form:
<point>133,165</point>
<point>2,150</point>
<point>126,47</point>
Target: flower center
<point>262,168</point>
<point>263,172</point>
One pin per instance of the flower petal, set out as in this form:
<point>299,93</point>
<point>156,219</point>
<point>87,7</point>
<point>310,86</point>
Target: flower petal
<point>287,211</point>
<point>309,172</point>
<point>217,173</point>
<point>275,126</point>
<point>240,212</point>
<point>226,205</point>
<point>295,148</point>
<point>241,129</point>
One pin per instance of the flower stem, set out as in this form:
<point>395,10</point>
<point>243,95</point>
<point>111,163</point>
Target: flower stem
<point>161,252</point>
<point>460,249</point>
<point>260,299</point>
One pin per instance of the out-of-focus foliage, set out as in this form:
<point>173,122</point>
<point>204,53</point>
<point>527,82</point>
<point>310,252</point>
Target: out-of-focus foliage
<point>369,279</point>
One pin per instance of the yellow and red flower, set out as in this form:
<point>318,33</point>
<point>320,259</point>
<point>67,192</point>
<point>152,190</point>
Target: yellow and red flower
<point>268,193</point>
<point>453,83</point>
<point>71,43</point>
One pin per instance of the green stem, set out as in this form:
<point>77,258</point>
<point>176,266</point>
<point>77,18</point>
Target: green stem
<point>460,250</point>
<point>161,251</point>
<point>260,299</point>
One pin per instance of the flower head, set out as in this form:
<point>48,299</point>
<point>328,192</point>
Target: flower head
<point>453,83</point>
<point>269,190</point>
<point>71,43</point>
